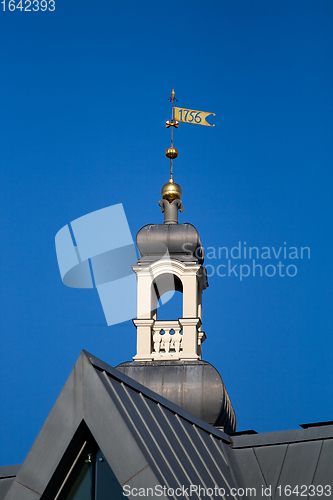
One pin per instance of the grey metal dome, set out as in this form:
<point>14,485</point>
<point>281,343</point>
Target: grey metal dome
<point>195,386</point>
<point>181,241</point>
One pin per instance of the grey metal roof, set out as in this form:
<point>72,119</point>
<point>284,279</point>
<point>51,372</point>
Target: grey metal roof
<point>149,441</point>
<point>282,437</point>
<point>7,476</point>
<point>146,440</point>
<point>301,457</point>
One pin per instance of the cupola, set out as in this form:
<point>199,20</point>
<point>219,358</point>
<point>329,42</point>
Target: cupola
<point>169,352</point>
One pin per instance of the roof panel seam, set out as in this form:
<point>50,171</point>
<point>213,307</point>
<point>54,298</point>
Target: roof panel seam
<point>314,473</point>
<point>153,438</point>
<point>165,437</point>
<point>209,452</point>
<point>133,425</point>
<point>261,471</point>
<point>213,459</point>
<point>179,441</point>
<point>221,453</point>
<point>134,475</point>
<point>189,458</point>
<point>27,487</point>
<point>282,465</point>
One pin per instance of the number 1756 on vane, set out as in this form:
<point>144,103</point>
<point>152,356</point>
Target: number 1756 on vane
<point>192,116</point>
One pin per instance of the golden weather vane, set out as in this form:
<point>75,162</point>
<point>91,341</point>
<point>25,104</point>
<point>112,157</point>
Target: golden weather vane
<point>182,115</point>
<point>171,190</point>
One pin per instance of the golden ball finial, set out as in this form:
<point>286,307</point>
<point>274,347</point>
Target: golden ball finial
<point>171,153</point>
<point>171,191</point>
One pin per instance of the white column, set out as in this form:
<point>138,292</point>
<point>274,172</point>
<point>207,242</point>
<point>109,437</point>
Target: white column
<point>144,339</point>
<point>190,295</point>
<point>199,300</point>
<point>190,337</point>
<point>144,299</point>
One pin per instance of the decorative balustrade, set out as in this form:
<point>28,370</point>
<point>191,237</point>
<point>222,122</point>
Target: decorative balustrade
<point>167,337</point>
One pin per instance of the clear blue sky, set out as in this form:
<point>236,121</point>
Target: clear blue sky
<point>83,108</point>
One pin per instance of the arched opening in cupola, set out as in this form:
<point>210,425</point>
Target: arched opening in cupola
<point>167,296</point>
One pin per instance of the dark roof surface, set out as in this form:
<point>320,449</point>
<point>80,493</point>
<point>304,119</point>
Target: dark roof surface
<point>7,475</point>
<point>146,440</point>
<point>301,457</point>
<point>149,441</point>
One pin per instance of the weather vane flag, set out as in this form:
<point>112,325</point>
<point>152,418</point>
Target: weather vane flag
<point>187,115</point>
<point>192,116</point>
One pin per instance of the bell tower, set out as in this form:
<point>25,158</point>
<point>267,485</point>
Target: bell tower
<point>169,353</point>
<point>171,259</point>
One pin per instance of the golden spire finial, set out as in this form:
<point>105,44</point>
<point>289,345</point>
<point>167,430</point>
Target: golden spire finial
<point>171,191</point>
<point>172,152</point>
